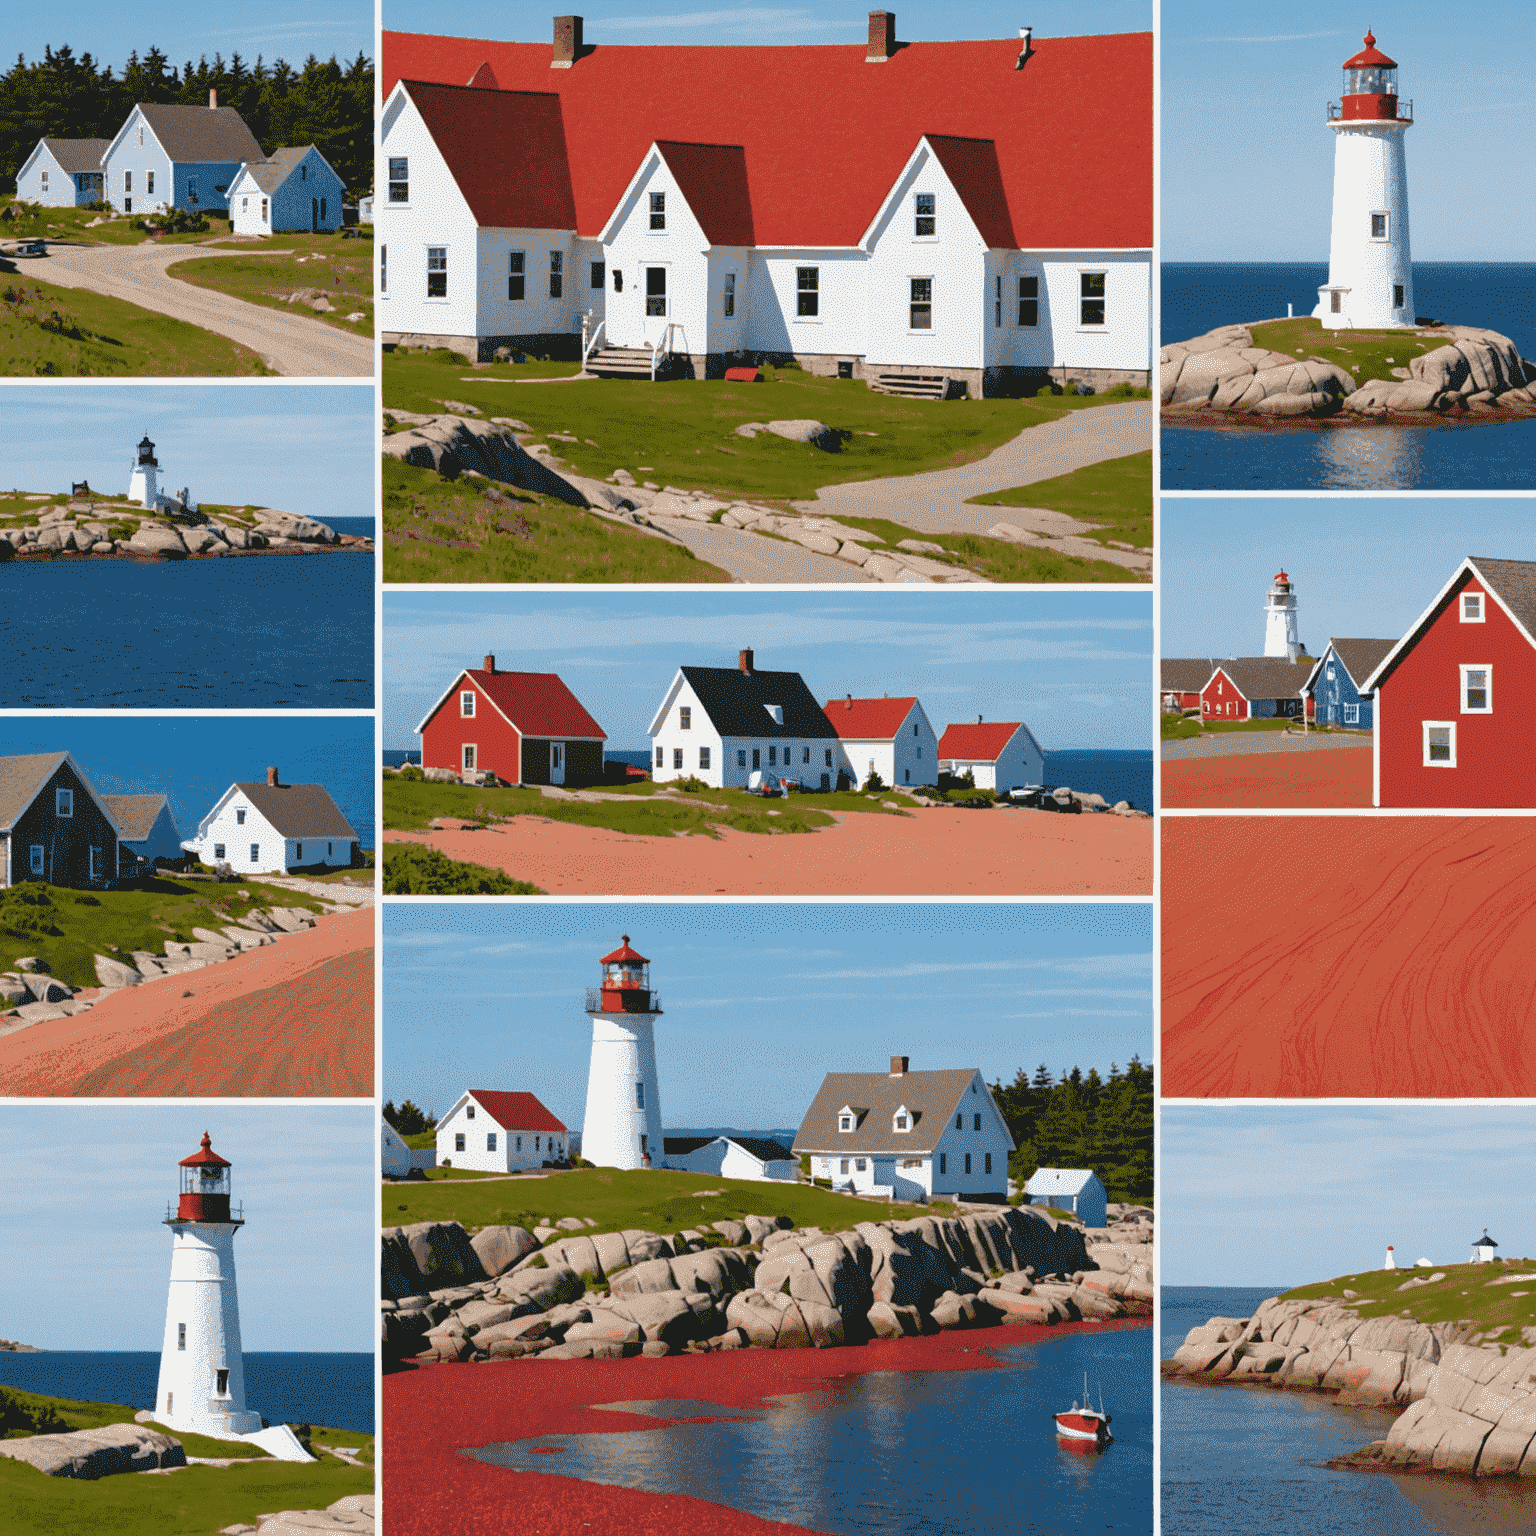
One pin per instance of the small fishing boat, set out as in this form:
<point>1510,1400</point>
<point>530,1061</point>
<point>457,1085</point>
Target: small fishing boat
<point>1084,1427</point>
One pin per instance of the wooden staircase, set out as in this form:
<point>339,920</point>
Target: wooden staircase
<point>624,363</point>
<point>912,386</point>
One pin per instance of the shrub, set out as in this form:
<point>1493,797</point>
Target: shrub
<point>691,785</point>
<point>174,221</point>
<point>873,783</point>
<point>411,771</point>
<point>410,870</point>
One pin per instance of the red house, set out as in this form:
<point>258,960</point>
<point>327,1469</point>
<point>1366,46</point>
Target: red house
<point>1457,731</point>
<point>525,727</point>
<point>1255,688</point>
<point>1181,678</point>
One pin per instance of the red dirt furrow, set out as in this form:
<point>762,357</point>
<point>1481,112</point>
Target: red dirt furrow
<point>1349,956</point>
<point>1339,779</point>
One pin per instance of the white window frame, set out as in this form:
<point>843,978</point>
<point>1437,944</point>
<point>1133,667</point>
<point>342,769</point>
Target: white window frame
<point>469,758</point>
<point>458,1141</point>
<point>704,758</point>
<point>1084,273</point>
<point>1486,668</point>
<point>557,275</point>
<point>466,704</point>
<point>403,181</point>
<point>45,181</point>
<point>149,184</point>
<point>912,303</point>
<point>429,297</point>
<point>1479,599</point>
<point>490,1141</point>
<point>1443,725</point>
<point>813,293</point>
<point>677,759</point>
<point>1029,298</point>
<point>255,853</point>
<point>218,853</point>
<point>658,210</point>
<point>665,268</point>
<point>919,213</point>
<point>729,296</point>
<point>36,863</point>
<point>661,757</point>
<point>1385,215</point>
<point>685,717</point>
<point>240,816</point>
<point>517,272</point>
<point>1351,714</point>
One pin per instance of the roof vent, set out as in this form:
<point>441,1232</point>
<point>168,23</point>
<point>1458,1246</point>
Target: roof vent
<point>567,42</point>
<point>882,37</point>
<point>1027,50</point>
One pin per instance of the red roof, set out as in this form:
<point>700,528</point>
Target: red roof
<point>713,181</point>
<point>980,743</point>
<point>866,719</point>
<point>206,1157</point>
<point>1370,55</point>
<point>516,1111</point>
<point>537,703</point>
<point>818,177</point>
<point>624,954</point>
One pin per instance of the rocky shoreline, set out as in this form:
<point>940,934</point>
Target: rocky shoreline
<point>1221,379</point>
<point>11,1347</point>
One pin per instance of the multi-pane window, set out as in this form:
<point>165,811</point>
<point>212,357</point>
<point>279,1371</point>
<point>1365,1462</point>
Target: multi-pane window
<point>490,1141</point>
<point>924,226</point>
<point>218,853</point>
<point>1351,714</point>
<point>656,291</point>
<point>516,275</point>
<point>255,853</point>
<point>1439,744</point>
<point>997,302</point>
<point>399,179</point>
<point>967,1162</point>
<point>597,274</point>
<point>773,756</point>
<point>467,704</point>
<point>677,757</point>
<point>191,190</point>
<point>181,1335</point>
<point>127,181</point>
<point>1397,295</point>
<point>1092,289</point>
<point>805,754</point>
<point>658,210</point>
<point>703,757</point>
<point>989,1162</point>
<point>1472,608</point>
<point>730,293</point>
<point>829,757</point>
<point>458,1141</point>
<point>556,273</point>
<point>1477,690</point>
<point>437,271</point>
<point>1378,226</point>
<point>921,315</point>
<point>63,802</point>
<point>149,184</point>
<point>977,1125</point>
<point>685,717</point>
<point>807,291</point>
<point>661,757</point>
<point>37,858</point>
<point>757,757</point>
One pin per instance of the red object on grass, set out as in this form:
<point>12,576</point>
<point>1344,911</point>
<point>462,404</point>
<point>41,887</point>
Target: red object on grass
<point>743,376</point>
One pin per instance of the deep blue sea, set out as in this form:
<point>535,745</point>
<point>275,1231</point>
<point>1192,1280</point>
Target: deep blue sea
<point>262,633</point>
<point>335,1391</point>
<point>901,1453</point>
<point>1455,456</point>
<point>1238,1460</point>
<point>397,758</point>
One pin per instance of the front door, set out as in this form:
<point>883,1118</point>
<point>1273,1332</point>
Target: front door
<point>557,762</point>
<point>656,304</point>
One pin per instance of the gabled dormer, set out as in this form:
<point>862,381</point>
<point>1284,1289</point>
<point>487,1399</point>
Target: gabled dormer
<point>950,192</point>
<point>850,1118</point>
<point>905,1120</point>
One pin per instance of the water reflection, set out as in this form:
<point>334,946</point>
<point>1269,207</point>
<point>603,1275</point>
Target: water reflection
<point>1370,458</point>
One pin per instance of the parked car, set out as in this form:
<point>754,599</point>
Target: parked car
<point>31,248</point>
<point>1027,796</point>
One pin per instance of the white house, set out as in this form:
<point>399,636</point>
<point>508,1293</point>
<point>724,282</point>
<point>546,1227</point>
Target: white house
<point>399,1160</point>
<point>891,737</point>
<point>731,1157</point>
<point>1483,1249</point>
<point>914,1134</point>
<point>177,157</point>
<point>62,173</point>
<point>274,827</point>
<point>295,189</point>
<point>997,755</point>
<point>724,725</point>
<point>535,187</point>
<point>499,1133</point>
<point>148,831</point>
<point>1069,1189</point>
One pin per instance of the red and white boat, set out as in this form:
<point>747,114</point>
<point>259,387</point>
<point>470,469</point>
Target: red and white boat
<point>1084,1427</point>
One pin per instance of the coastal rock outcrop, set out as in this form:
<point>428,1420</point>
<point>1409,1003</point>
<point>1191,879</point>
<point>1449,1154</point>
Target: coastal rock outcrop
<point>93,1453</point>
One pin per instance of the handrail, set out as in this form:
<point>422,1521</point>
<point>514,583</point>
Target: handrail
<point>1402,115</point>
<point>588,348</point>
<point>663,345</point>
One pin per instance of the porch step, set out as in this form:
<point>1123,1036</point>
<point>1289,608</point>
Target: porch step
<point>623,362</point>
<point>914,386</point>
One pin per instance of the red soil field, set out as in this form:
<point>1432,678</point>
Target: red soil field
<point>1349,956</point>
<point>294,1019</point>
<point>930,853</point>
<point>1274,781</point>
<point>431,1412</point>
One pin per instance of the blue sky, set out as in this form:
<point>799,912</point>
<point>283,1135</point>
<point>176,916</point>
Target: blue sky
<point>1363,567</point>
<point>1285,1196</point>
<point>85,1195</point>
<point>193,759</point>
<point>760,1001</point>
<point>668,22</point>
<point>305,448</point>
<point>189,29</point>
<point>1075,666</point>
<point>1248,157</point>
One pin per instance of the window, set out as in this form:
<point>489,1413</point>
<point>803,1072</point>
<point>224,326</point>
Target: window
<point>218,853</point>
<point>703,757</point>
<point>1092,286</point>
<point>860,1165</point>
<point>399,179</point>
<point>467,704</point>
<point>1397,295</point>
<point>490,1141</point>
<point>141,136</point>
<point>658,210</point>
<point>921,314</point>
<point>997,302</point>
<point>556,273</point>
<point>807,292</point>
<point>95,863</point>
<point>515,276</point>
<point>128,175</point>
<point>149,184</point>
<point>598,269</point>
<point>967,1162</point>
<point>383,257</point>
<point>943,1162</point>
<point>1477,689</point>
<point>37,858</point>
<point>1378,226</point>
<point>730,293</point>
<point>1351,714</point>
<point>922,228</point>
<point>170,1398</point>
<point>255,853</point>
<point>298,851</point>
<point>469,1112</point>
<point>639,1095</point>
<point>45,181</point>
<point>1472,608</point>
<point>240,818</point>
<point>677,757</point>
<point>773,756</point>
<point>829,757</point>
<point>959,1122</point>
<point>469,757</point>
<point>1439,744</point>
<point>536,1146</point>
<point>661,757</point>
<point>263,210</point>
<point>63,802</point>
<point>655,290</point>
<point>989,1162</point>
<point>902,1123</point>
<point>757,757</point>
<point>845,1122</point>
<point>221,1383</point>
<point>805,754</point>
<point>519,1143</point>
<point>1335,302</point>
<point>618,281</point>
<point>458,1142</point>
<point>741,757</point>
<point>685,717</point>
<point>977,1125</point>
<point>191,190</point>
<point>1029,301</point>
<point>845,1165</point>
<point>437,271</point>
<point>181,1335</point>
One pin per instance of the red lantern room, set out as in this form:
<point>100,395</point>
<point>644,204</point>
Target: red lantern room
<point>1370,86</point>
<point>204,1188</point>
<point>626,984</point>
<point>1282,582</point>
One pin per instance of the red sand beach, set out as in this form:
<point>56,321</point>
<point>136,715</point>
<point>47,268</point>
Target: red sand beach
<point>929,853</point>
<point>292,1019</point>
<point>1271,781</point>
<point>430,1413</point>
<point>1328,956</point>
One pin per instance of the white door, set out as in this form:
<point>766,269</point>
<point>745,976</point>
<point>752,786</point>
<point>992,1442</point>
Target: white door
<point>657,303</point>
<point>557,762</point>
<point>625,307</point>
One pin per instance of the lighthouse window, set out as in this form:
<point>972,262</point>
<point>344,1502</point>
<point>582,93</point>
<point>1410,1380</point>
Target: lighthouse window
<point>703,757</point>
<point>639,1095</point>
<point>64,802</point>
<point>1397,295</point>
<point>1092,298</point>
<point>1378,226</point>
<point>221,1386</point>
<point>1439,744</point>
<point>1471,607</point>
<point>181,1335</point>
<point>1477,690</point>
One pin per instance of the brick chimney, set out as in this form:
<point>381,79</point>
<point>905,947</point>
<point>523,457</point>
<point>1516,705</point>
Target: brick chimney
<point>567,42</point>
<point>899,1065</point>
<point>213,100</point>
<point>272,778</point>
<point>490,665</point>
<point>882,37</point>
<point>744,661</point>
<point>848,702</point>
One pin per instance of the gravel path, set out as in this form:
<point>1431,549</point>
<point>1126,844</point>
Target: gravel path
<point>1252,743</point>
<point>288,343</point>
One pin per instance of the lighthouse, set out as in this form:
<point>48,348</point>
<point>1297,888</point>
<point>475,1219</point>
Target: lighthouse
<point>1280,619</point>
<point>202,1377</point>
<point>622,1128</point>
<point>1370,268</point>
<point>144,481</point>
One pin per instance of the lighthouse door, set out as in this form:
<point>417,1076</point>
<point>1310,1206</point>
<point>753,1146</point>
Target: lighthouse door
<point>557,762</point>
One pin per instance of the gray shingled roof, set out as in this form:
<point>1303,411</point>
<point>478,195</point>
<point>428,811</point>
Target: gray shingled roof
<point>1269,677</point>
<point>1515,583</point>
<point>135,814</point>
<point>1186,674</point>
<point>1361,657</point>
<point>299,810</point>
<point>932,1097</point>
<point>202,133</point>
<point>20,780</point>
<point>269,175</point>
<point>76,155</point>
<point>735,703</point>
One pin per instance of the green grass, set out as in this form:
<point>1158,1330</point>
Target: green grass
<point>69,928</point>
<point>1176,729</point>
<point>1116,493</point>
<point>1364,355</point>
<point>1465,1294</point>
<point>657,1200</point>
<point>20,509</point>
<point>520,537</point>
<point>415,871</point>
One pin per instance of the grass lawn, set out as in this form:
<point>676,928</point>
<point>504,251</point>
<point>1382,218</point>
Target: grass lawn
<point>69,928</point>
<point>1466,1292</point>
<point>46,330</point>
<point>414,871</point>
<point>1175,729</point>
<point>438,530</point>
<point>38,223</point>
<point>21,509</point>
<point>1116,493</point>
<point>1364,354</point>
<point>343,269</point>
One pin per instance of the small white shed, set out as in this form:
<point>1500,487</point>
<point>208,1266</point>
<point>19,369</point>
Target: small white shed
<point>1070,1189</point>
<point>498,1132</point>
<point>731,1157</point>
<point>1483,1249</point>
<point>399,1160</point>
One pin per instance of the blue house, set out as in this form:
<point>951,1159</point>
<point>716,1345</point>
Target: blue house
<point>62,173</point>
<point>177,157</point>
<point>1334,684</point>
<point>295,189</point>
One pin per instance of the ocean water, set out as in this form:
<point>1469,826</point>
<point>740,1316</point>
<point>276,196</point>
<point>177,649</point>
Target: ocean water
<point>900,1453</point>
<point>395,757</point>
<point>280,633</point>
<point>1457,456</point>
<point>334,1390</point>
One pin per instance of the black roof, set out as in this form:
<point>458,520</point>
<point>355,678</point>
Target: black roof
<point>1485,1241</point>
<point>736,703</point>
<point>764,1151</point>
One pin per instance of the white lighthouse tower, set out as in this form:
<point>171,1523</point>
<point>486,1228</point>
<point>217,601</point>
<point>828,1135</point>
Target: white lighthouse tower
<point>1280,619</point>
<point>1370,268</point>
<point>622,1128</point>
<point>144,481</point>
